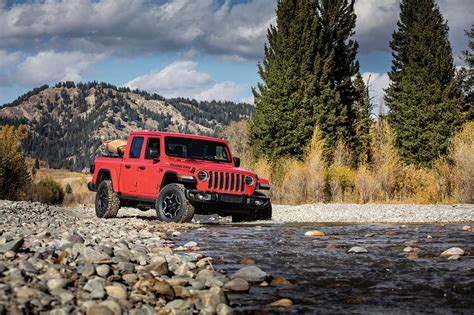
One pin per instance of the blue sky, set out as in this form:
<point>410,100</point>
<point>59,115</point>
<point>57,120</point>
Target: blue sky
<point>206,49</point>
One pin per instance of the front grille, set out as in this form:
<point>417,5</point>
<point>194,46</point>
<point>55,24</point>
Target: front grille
<point>226,181</point>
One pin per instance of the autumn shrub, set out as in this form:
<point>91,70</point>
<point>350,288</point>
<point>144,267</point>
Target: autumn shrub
<point>462,155</point>
<point>314,169</point>
<point>445,178</point>
<point>46,191</point>
<point>416,185</point>
<point>14,170</point>
<point>366,185</point>
<point>386,164</point>
<point>340,180</point>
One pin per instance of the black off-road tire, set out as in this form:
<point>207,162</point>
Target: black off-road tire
<point>107,203</point>
<point>173,206</point>
<point>265,213</point>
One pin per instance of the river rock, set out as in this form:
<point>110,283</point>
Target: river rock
<point>211,298</point>
<point>57,283</point>
<point>116,291</point>
<point>95,284</point>
<point>190,245</point>
<point>99,310</point>
<point>247,261</point>
<point>179,307</point>
<point>412,256</point>
<point>357,250</point>
<point>452,251</point>
<point>224,309</point>
<point>102,270</point>
<point>251,274</point>
<point>454,257</point>
<point>13,246</point>
<point>282,303</point>
<point>468,228</point>
<point>314,233</point>
<point>237,285</point>
<point>113,306</point>
<point>279,281</point>
<point>207,275</point>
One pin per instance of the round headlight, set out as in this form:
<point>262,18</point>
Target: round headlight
<point>203,176</point>
<point>249,180</point>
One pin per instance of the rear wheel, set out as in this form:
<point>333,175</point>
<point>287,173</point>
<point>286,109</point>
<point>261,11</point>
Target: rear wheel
<point>173,206</point>
<point>107,203</point>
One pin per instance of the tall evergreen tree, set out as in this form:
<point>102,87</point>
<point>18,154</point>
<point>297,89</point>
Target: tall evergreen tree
<point>277,126</point>
<point>467,75</point>
<point>362,122</point>
<point>306,73</point>
<point>424,97</point>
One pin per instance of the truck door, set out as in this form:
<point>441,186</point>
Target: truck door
<point>131,167</point>
<point>150,175</point>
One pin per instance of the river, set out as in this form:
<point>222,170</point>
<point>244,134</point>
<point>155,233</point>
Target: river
<point>326,279</point>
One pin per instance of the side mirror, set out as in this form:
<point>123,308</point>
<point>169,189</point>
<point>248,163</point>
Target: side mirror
<point>236,162</point>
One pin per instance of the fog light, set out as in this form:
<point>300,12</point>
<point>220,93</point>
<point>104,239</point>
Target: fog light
<point>204,197</point>
<point>258,202</point>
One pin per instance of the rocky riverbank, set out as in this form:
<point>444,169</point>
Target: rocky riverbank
<point>68,261</point>
<point>374,213</point>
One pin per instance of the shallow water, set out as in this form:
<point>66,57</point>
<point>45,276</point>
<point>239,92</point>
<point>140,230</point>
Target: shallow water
<point>331,280</point>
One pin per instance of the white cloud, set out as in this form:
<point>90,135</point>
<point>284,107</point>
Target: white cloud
<point>377,82</point>
<point>224,91</point>
<point>178,79</point>
<point>7,59</point>
<point>50,66</point>
<point>377,20</point>
<point>183,79</point>
<point>138,26</point>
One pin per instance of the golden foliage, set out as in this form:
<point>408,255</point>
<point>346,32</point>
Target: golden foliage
<point>462,154</point>
<point>14,174</point>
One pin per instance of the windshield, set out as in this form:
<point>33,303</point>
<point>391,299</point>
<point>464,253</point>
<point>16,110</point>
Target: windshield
<point>196,149</point>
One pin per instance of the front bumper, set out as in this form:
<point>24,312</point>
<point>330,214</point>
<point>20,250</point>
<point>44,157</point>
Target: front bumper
<point>255,201</point>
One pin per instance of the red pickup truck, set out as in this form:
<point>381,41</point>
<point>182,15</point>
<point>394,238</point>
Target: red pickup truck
<point>178,175</point>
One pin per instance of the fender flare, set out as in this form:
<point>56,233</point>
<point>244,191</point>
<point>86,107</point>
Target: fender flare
<point>111,173</point>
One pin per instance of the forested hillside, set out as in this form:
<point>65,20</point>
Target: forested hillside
<point>67,123</point>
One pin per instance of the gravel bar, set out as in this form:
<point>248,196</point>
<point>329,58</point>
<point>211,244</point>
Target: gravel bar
<point>374,213</point>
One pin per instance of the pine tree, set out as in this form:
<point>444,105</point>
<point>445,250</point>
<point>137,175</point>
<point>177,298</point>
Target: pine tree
<point>362,109</point>
<point>278,125</point>
<point>332,92</point>
<point>467,76</point>
<point>424,97</point>
<point>306,73</point>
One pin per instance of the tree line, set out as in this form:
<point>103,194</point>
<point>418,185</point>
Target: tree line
<point>311,80</point>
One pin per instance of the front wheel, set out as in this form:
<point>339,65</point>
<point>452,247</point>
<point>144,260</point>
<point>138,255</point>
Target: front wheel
<point>173,206</point>
<point>265,213</point>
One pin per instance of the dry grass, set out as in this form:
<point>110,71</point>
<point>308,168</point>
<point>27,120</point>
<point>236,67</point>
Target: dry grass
<point>78,182</point>
<point>386,179</point>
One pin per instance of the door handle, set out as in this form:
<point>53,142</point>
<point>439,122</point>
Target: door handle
<point>127,166</point>
<point>142,167</point>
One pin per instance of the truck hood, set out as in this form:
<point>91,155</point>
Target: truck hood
<point>198,165</point>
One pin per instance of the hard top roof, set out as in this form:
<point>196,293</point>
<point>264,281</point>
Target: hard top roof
<point>173,134</point>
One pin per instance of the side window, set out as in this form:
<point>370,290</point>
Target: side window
<point>136,147</point>
<point>152,149</point>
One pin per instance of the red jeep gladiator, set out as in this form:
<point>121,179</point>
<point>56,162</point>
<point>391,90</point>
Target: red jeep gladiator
<point>178,175</point>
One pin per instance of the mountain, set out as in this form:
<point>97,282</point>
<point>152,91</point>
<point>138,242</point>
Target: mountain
<point>67,123</point>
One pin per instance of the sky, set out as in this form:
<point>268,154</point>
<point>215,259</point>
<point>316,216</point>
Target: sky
<point>202,49</point>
